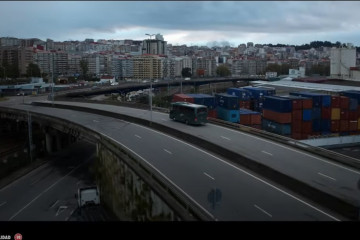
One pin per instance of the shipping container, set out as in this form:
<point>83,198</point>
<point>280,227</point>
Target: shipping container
<point>335,126</point>
<point>344,115</point>
<point>227,101</point>
<point>297,136</point>
<point>212,113</point>
<point>359,124</point>
<point>325,126</point>
<point>335,102</point>
<point>344,125</point>
<point>307,114</point>
<point>316,125</point>
<point>306,127</point>
<point>296,126</point>
<point>277,104</point>
<point>256,118</point>
<point>335,114</point>
<point>344,102</point>
<point>353,125</point>
<point>274,127</point>
<point>245,104</point>
<point>277,116</point>
<point>204,99</point>
<point>259,92</point>
<point>307,103</point>
<point>326,113</point>
<point>353,115</point>
<point>227,115</point>
<point>353,104</point>
<point>182,98</point>
<point>316,113</point>
<point>245,116</point>
<point>351,94</point>
<point>296,115</point>
<point>242,94</point>
<point>317,98</point>
<point>326,101</point>
<point>297,102</point>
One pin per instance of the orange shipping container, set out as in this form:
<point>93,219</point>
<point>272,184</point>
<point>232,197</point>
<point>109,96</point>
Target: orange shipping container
<point>245,119</point>
<point>344,102</point>
<point>277,116</point>
<point>255,119</point>
<point>335,114</point>
<point>335,101</point>
<point>307,103</point>
<point>296,115</point>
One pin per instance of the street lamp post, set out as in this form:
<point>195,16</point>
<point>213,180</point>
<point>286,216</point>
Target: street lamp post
<point>150,92</point>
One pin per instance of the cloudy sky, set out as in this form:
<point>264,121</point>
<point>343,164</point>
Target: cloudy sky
<point>185,22</point>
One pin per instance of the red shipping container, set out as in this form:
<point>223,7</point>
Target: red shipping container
<point>296,115</point>
<point>182,98</point>
<point>325,113</point>
<point>358,111</point>
<point>277,116</point>
<point>344,102</point>
<point>335,126</point>
<point>344,114</point>
<point>212,113</point>
<point>335,101</point>
<point>353,125</point>
<point>344,125</point>
<point>307,103</point>
<point>244,104</point>
<point>245,119</point>
<point>296,126</point>
<point>353,115</point>
<point>256,126</point>
<point>297,104</point>
<point>255,119</point>
<point>297,136</point>
<point>306,127</point>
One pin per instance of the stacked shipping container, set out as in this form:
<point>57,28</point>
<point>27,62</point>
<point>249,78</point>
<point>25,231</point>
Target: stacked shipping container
<point>227,107</point>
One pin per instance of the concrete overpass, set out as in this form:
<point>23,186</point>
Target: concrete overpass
<point>328,195</point>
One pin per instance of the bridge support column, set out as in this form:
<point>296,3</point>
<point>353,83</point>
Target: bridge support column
<point>49,142</point>
<point>58,141</point>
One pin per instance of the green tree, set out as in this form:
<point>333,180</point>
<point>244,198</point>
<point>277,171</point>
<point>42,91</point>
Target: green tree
<point>84,65</point>
<point>33,70</point>
<point>223,71</point>
<point>186,72</point>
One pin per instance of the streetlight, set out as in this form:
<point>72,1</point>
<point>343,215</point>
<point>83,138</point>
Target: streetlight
<point>150,92</point>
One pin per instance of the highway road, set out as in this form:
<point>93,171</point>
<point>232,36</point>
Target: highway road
<point>319,172</point>
<point>244,195</point>
<point>48,192</point>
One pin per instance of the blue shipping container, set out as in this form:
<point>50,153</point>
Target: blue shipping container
<point>353,104</point>
<point>316,125</point>
<point>316,113</point>
<point>325,125</point>
<point>227,101</point>
<point>352,94</point>
<point>270,126</point>
<point>307,114</point>
<point>259,92</point>
<point>204,99</point>
<point>277,104</point>
<point>326,100</point>
<point>228,115</point>
<point>242,94</point>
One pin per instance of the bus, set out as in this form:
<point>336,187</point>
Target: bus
<point>188,113</point>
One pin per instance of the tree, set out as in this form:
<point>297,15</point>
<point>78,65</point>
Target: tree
<point>84,65</point>
<point>186,72</point>
<point>223,71</point>
<point>33,70</point>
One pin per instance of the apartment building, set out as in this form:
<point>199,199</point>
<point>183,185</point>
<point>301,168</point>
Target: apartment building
<point>147,67</point>
<point>122,67</point>
<point>18,56</point>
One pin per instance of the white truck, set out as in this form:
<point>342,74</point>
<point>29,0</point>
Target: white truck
<point>88,196</point>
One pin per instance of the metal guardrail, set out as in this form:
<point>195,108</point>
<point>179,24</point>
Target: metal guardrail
<point>185,204</point>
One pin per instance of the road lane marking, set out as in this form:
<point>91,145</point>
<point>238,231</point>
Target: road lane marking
<point>54,204</point>
<point>227,163</point>
<point>2,204</point>
<point>326,176</point>
<point>137,136</point>
<point>27,205</point>
<point>60,210</point>
<point>288,148</point>
<point>262,210</point>
<point>266,153</point>
<point>163,175</point>
<point>226,138</point>
<point>66,219</point>
<point>209,176</point>
<point>167,151</point>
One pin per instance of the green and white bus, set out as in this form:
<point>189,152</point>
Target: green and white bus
<point>188,113</point>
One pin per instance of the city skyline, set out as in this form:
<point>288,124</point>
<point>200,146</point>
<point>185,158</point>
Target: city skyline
<point>190,23</point>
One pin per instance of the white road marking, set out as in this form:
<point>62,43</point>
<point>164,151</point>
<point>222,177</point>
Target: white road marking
<point>137,136</point>
<point>226,138</point>
<point>60,210</point>
<point>167,151</point>
<point>227,163</point>
<point>95,121</point>
<point>288,148</point>
<point>326,176</point>
<point>18,212</point>
<point>54,204</point>
<point>262,210</point>
<point>66,219</point>
<point>209,176</point>
<point>2,204</point>
<point>266,153</point>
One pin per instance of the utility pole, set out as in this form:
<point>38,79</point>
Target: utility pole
<point>30,135</point>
